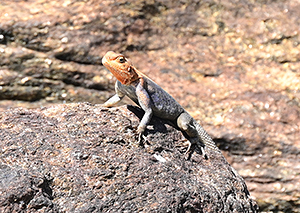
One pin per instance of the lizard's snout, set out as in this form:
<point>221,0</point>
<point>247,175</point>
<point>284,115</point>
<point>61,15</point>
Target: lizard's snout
<point>104,60</point>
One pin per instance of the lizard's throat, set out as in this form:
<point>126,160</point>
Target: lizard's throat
<point>125,77</point>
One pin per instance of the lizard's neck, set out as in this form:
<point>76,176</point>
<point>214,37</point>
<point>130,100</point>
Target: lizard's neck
<point>140,79</point>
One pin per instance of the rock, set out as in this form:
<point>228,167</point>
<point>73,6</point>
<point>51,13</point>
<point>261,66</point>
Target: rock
<point>233,66</point>
<point>84,158</point>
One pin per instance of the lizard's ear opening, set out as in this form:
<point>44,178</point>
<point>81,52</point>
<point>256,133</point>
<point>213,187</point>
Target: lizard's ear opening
<point>130,70</point>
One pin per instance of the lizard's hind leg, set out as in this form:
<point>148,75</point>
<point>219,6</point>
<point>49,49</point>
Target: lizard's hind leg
<point>186,123</point>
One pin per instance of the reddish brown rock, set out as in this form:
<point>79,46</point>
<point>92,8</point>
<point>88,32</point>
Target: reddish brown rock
<point>233,65</point>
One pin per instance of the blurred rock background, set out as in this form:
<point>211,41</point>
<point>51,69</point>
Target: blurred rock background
<point>234,65</point>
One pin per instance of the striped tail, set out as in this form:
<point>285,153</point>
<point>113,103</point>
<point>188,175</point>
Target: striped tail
<point>205,138</point>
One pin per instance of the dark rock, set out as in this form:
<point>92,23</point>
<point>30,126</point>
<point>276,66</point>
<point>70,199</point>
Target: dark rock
<point>233,65</point>
<point>84,158</point>
<point>24,189</point>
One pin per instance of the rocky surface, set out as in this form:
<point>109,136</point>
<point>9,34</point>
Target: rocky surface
<point>83,158</point>
<point>234,65</point>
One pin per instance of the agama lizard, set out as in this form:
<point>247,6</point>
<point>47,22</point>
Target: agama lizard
<point>152,99</point>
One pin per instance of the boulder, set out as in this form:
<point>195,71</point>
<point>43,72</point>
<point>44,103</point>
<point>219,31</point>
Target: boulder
<point>86,158</point>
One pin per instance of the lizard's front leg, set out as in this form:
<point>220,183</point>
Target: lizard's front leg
<point>116,98</point>
<point>146,104</point>
<point>112,101</point>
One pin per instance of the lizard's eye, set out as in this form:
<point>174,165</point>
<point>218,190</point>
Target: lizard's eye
<point>122,60</point>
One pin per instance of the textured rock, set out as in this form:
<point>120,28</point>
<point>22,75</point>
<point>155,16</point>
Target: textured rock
<point>83,158</point>
<point>234,65</point>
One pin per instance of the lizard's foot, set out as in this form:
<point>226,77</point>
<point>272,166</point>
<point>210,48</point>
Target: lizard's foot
<point>190,151</point>
<point>195,141</point>
<point>141,138</point>
<point>141,128</point>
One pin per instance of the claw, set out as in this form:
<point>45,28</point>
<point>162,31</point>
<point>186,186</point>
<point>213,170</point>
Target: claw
<point>141,138</point>
<point>203,152</point>
<point>189,148</point>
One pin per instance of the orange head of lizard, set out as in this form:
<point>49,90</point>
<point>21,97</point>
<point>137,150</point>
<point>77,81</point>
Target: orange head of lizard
<point>120,67</point>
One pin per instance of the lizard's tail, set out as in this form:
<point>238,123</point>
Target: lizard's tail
<point>205,138</point>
